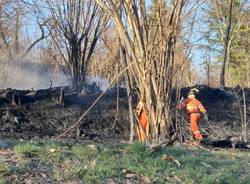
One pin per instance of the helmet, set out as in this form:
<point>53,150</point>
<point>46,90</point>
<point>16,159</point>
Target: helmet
<point>193,92</point>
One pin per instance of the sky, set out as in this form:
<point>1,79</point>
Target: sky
<point>33,31</point>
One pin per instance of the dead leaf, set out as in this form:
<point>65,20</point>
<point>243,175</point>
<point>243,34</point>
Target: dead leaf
<point>92,146</point>
<point>93,164</point>
<point>52,150</point>
<point>43,175</point>
<point>145,179</point>
<point>171,158</point>
<point>128,173</point>
<point>177,179</point>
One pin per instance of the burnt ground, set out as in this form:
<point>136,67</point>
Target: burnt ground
<point>46,118</point>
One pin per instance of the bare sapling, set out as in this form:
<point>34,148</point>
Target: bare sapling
<point>150,42</point>
<point>243,111</point>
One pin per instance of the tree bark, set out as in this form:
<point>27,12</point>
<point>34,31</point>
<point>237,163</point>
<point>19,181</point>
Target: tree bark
<point>226,47</point>
<point>129,94</point>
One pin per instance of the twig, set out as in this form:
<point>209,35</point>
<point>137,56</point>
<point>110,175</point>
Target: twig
<point>243,112</point>
<point>216,131</point>
<point>198,146</point>
<point>171,158</point>
<point>117,103</point>
<point>6,116</point>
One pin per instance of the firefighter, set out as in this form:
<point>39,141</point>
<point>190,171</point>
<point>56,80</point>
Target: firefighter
<point>143,122</point>
<point>195,110</point>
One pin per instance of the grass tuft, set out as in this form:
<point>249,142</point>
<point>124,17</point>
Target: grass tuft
<point>26,150</point>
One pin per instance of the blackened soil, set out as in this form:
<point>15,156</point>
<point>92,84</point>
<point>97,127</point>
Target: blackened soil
<point>46,118</point>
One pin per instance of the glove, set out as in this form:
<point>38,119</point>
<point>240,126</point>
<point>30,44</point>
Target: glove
<point>205,117</point>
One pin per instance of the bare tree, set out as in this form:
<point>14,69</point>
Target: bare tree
<point>226,45</point>
<point>150,45</point>
<point>75,27</point>
<point>242,105</point>
<point>207,66</point>
<point>12,18</point>
<point>4,30</point>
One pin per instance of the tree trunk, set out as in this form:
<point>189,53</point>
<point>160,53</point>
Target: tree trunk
<point>226,47</point>
<point>17,27</point>
<point>130,100</point>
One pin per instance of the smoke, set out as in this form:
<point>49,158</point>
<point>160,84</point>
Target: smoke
<point>30,75</point>
<point>100,82</point>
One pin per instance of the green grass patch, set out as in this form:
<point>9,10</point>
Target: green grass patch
<point>84,152</point>
<point>26,150</point>
<point>3,169</point>
<point>95,163</point>
<point>3,181</point>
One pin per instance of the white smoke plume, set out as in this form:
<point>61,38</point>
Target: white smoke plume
<point>29,75</point>
<point>38,76</point>
<point>100,82</point>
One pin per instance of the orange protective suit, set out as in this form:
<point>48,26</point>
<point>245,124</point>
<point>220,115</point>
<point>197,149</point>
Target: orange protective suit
<point>193,108</point>
<point>141,130</point>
